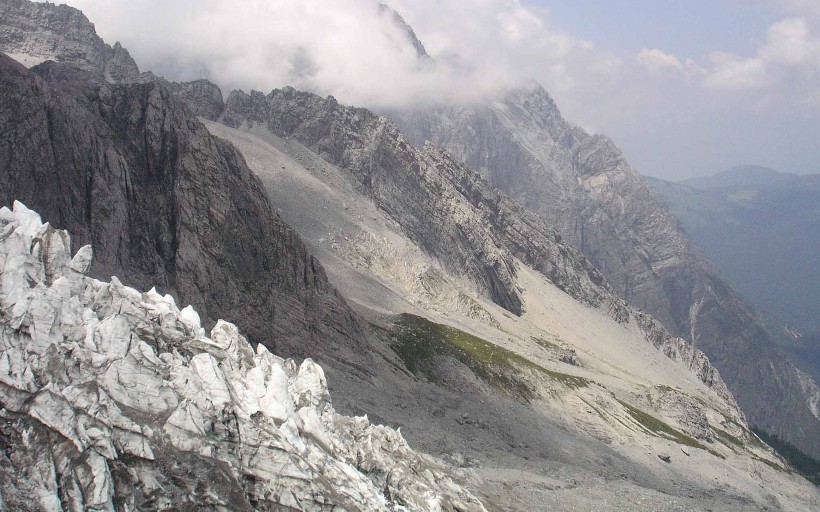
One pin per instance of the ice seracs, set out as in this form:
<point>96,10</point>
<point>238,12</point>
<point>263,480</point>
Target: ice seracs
<point>117,400</point>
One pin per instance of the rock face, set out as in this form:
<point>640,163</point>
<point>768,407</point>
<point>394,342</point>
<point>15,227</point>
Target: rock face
<point>395,19</point>
<point>578,183</point>
<point>35,32</point>
<point>426,192</point>
<point>203,97</point>
<point>116,399</point>
<point>128,169</point>
<point>582,185</point>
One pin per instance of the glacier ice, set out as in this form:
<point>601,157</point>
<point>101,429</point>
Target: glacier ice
<point>118,400</point>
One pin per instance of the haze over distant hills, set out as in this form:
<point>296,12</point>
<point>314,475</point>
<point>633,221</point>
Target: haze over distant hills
<point>761,228</point>
<point>739,176</point>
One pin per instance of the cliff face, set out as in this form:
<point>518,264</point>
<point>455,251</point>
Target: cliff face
<point>34,32</point>
<point>582,185</point>
<point>578,183</point>
<point>130,170</point>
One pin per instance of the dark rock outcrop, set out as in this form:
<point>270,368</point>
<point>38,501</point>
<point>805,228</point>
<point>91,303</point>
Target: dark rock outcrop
<point>128,169</point>
<point>203,97</point>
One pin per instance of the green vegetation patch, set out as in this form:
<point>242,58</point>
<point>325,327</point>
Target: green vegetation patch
<point>667,389</point>
<point>727,438</point>
<point>418,341</point>
<point>661,429</point>
<point>776,466</point>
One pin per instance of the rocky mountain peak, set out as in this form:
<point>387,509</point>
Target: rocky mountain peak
<point>537,102</point>
<point>201,96</point>
<point>33,32</point>
<point>582,185</point>
<point>393,17</point>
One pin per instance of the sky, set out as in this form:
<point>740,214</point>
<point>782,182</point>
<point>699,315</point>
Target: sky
<point>684,88</point>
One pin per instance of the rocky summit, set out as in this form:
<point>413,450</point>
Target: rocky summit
<point>116,399</point>
<point>34,32</point>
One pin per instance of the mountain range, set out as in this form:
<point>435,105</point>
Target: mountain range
<point>450,300</point>
<point>582,185</point>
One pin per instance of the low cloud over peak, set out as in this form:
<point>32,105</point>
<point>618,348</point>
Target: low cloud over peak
<point>670,113</point>
<point>354,49</point>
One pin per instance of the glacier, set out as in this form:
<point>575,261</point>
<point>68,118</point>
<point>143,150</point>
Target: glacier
<point>115,399</point>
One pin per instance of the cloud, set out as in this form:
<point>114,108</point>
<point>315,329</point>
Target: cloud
<point>343,47</point>
<point>730,72</point>
<point>808,9</point>
<point>786,65</point>
<point>348,48</point>
<point>507,36</point>
<point>649,100</point>
<point>656,60</point>
<point>791,43</point>
<point>789,56</point>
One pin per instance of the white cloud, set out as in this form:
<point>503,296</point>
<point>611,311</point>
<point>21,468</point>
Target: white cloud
<point>657,60</point>
<point>505,35</point>
<point>789,56</point>
<point>345,48</point>
<point>732,73</point>
<point>791,43</point>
